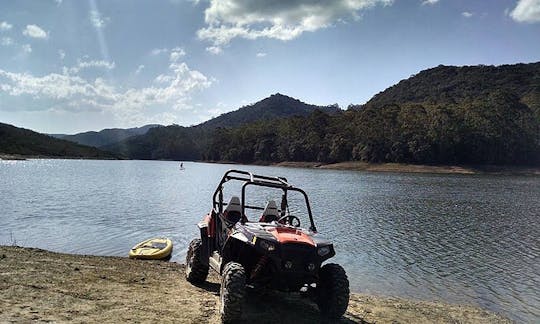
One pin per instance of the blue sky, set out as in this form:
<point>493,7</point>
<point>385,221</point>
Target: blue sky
<point>70,66</point>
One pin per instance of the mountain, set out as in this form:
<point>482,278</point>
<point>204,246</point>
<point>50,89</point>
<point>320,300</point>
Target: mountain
<point>453,84</point>
<point>162,143</point>
<point>273,107</point>
<point>189,143</point>
<point>106,136</point>
<point>444,115</point>
<point>14,140</point>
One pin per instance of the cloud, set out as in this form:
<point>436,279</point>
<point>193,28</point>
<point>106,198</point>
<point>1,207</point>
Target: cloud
<point>157,51</point>
<point>6,41</point>
<point>26,48</point>
<point>98,20</point>
<point>429,2</point>
<point>176,54</point>
<point>74,93</point>
<point>467,14</point>
<point>214,50</point>
<point>261,54</point>
<point>139,69</point>
<point>81,65</point>
<point>283,20</point>
<point>61,54</point>
<point>4,25</point>
<point>35,31</point>
<point>526,11</point>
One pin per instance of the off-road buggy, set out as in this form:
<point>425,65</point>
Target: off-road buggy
<point>272,252</point>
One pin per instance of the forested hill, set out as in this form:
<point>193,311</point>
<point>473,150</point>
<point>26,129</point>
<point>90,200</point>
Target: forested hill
<point>14,140</point>
<point>444,115</point>
<point>452,84</point>
<point>191,143</point>
<point>275,106</point>
<point>106,136</point>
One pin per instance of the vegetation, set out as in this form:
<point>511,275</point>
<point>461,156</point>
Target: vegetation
<point>500,131</point>
<point>165,143</point>
<point>273,107</point>
<point>190,143</point>
<point>14,140</point>
<point>105,137</point>
<point>445,115</point>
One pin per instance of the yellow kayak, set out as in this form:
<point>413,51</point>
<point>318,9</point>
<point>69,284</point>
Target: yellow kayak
<point>152,249</point>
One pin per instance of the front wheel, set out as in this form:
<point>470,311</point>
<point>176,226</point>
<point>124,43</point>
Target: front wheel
<point>332,291</point>
<point>233,290</point>
<point>196,270</point>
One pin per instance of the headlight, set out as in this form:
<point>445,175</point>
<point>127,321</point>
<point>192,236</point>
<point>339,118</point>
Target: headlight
<point>323,250</point>
<point>267,246</point>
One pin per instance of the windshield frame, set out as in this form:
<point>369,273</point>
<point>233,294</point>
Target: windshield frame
<point>251,179</point>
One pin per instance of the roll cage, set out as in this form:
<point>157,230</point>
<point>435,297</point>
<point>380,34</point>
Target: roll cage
<point>251,179</point>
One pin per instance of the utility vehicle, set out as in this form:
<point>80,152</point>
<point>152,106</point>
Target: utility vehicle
<point>270,251</point>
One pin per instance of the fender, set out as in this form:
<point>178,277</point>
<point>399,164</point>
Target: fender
<point>205,248</point>
<point>231,245</point>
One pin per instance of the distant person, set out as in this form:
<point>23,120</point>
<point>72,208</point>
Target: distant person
<point>181,165</point>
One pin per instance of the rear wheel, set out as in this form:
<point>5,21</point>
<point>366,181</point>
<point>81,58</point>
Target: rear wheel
<point>332,291</point>
<point>196,270</point>
<point>233,290</point>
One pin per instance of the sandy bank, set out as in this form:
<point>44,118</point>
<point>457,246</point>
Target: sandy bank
<point>415,168</point>
<point>12,157</point>
<point>38,285</point>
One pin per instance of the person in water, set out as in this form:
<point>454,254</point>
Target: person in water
<point>181,165</point>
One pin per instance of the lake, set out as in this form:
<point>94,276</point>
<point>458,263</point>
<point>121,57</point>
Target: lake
<point>471,239</point>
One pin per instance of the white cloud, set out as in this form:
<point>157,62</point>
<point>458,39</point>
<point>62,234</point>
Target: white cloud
<point>91,64</point>
<point>102,63</point>
<point>526,11</point>
<point>139,69</point>
<point>429,2</point>
<point>261,54</point>
<point>61,54</point>
<point>4,25</point>
<point>26,48</point>
<point>467,14</point>
<point>163,78</point>
<point>74,93</point>
<point>214,50</point>
<point>6,41</point>
<point>283,20</point>
<point>98,20</point>
<point>35,31</point>
<point>157,51</point>
<point>176,54</point>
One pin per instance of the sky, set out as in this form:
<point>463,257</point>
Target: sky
<point>68,66</point>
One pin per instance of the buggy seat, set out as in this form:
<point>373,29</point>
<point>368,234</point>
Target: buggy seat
<point>233,213</point>
<point>270,212</point>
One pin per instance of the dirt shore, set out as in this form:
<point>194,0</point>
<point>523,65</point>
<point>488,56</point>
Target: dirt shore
<point>42,286</point>
<point>415,168</point>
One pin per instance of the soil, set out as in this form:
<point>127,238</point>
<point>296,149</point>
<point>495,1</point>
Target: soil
<point>42,286</point>
<point>416,168</point>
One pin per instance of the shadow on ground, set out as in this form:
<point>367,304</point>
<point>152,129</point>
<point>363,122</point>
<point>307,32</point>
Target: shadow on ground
<point>277,307</point>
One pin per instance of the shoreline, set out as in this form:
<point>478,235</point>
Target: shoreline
<point>346,166</point>
<point>414,168</point>
<point>38,285</point>
<point>19,157</point>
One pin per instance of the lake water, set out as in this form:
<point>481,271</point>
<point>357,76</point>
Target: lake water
<point>454,238</point>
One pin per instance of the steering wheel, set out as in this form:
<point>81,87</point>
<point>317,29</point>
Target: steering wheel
<point>289,220</point>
